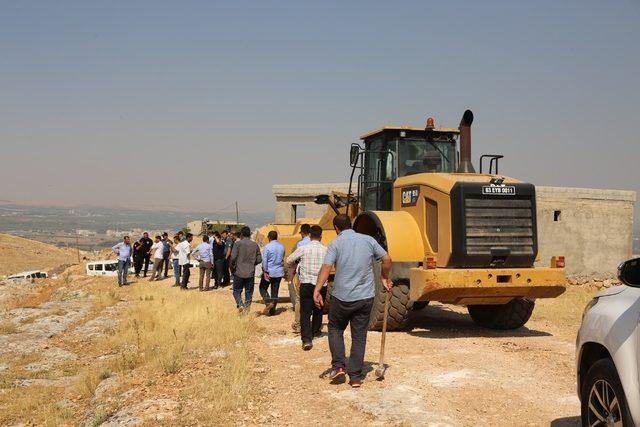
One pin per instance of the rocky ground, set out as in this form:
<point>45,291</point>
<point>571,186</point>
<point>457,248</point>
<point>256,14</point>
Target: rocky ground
<point>443,371</point>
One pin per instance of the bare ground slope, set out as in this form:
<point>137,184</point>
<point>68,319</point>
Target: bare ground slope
<point>18,254</point>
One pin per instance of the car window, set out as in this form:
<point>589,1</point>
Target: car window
<point>111,267</point>
<point>91,267</point>
<point>98,267</point>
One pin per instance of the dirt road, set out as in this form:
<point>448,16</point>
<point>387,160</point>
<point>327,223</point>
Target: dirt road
<point>444,371</point>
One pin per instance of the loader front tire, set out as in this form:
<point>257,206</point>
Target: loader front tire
<point>399,306</point>
<point>511,315</point>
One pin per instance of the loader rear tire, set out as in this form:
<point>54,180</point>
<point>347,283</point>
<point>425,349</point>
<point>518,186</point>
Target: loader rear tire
<point>512,315</point>
<point>399,305</point>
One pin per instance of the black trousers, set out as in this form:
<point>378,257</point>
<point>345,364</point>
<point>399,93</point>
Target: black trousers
<point>137,263</point>
<point>147,257</point>
<point>227,272</point>
<point>356,314</point>
<point>219,268</point>
<point>310,315</point>
<point>185,273</point>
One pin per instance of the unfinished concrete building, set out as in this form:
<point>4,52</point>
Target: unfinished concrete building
<point>592,228</point>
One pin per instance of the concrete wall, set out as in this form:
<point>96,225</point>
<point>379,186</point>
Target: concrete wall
<point>290,195</point>
<point>593,229</point>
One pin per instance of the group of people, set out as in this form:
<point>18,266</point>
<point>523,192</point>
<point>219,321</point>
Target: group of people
<point>348,301</point>
<point>162,251</point>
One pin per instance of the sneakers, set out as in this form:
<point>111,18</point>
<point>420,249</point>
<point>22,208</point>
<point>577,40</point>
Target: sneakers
<point>267,309</point>
<point>337,375</point>
<point>306,346</point>
<point>296,327</point>
<point>355,383</point>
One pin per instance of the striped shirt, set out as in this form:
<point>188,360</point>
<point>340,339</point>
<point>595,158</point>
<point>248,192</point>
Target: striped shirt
<point>311,257</point>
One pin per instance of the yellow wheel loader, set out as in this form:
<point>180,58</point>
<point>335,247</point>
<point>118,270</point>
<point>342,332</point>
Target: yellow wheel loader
<point>455,236</point>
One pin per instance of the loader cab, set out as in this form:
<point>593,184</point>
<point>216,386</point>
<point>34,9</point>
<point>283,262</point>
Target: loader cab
<point>393,152</point>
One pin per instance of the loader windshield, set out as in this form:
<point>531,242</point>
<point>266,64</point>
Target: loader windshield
<point>419,156</point>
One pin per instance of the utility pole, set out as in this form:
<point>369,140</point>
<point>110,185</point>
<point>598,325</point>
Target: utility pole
<point>78,246</point>
<point>237,214</point>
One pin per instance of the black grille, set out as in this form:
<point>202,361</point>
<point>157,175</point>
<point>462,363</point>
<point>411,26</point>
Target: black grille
<point>496,226</point>
<point>493,230</point>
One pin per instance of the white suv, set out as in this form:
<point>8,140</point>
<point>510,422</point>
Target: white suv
<point>608,365</point>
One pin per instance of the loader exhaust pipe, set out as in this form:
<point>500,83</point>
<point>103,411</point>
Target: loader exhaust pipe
<point>465,165</point>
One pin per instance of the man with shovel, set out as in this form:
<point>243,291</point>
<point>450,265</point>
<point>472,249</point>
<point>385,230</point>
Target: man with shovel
<point>352,295</point>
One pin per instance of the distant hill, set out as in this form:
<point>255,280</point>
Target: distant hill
<point>18,254</point>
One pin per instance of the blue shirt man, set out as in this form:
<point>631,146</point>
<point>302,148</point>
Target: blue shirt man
<point>305,229</point>
<point>352,296</point>
<point>204,252</point>
<point>123,250</point>
<point>273,259</point>
<point>353,254</point>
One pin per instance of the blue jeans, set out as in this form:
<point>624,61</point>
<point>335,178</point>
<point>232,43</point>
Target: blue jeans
<point>176,271</point>
<point>275,287</point>
<point>240,284</point>
<point>123,271</point>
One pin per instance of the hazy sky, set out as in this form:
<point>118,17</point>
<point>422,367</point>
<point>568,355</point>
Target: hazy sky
<point>197,104</point>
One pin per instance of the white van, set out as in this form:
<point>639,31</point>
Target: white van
<point>102,268</point>
<point>29,275</point>
<point>108,267</point>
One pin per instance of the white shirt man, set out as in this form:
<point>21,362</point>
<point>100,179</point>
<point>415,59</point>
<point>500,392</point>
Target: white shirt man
<point>184,250</point>
<point>157,250</point>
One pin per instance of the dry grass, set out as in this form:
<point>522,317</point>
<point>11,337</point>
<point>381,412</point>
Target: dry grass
<point>18,254</point>
<point>38,403</point>
<point>7,327</point>
<point>566,310</point>
<point>163,342</point>
<point>165,331</point>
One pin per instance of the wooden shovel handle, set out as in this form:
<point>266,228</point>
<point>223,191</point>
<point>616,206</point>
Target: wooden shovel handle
<point>385,315</point>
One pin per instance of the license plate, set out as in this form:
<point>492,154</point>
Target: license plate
<point>499,190</point>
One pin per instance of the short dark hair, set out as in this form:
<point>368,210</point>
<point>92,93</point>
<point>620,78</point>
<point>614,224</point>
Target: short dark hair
<point>305,228</point>
<point>237,233</point>
<point>225,231</point>
<point>205,238</point>
<point>273,235</point>
<point>165,234</point>
<point>158,237</point>
<point>216,234</point>
<point>189,235</point>
<point>342,222</point>
<point>246,232</point>
<point>315,232</point>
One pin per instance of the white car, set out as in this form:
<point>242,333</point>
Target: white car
<point>29,275</point>
<point>607,348</point>
<point>102,268</point>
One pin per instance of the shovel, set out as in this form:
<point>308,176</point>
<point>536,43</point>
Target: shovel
<point>381,369</point>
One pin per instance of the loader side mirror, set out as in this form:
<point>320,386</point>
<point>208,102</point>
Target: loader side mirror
<point>354,153</point>
<point>629,272</point>
<point>322,199</point>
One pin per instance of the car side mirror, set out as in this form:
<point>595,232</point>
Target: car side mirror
<point>629,272</point>
<point>354,153</point>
